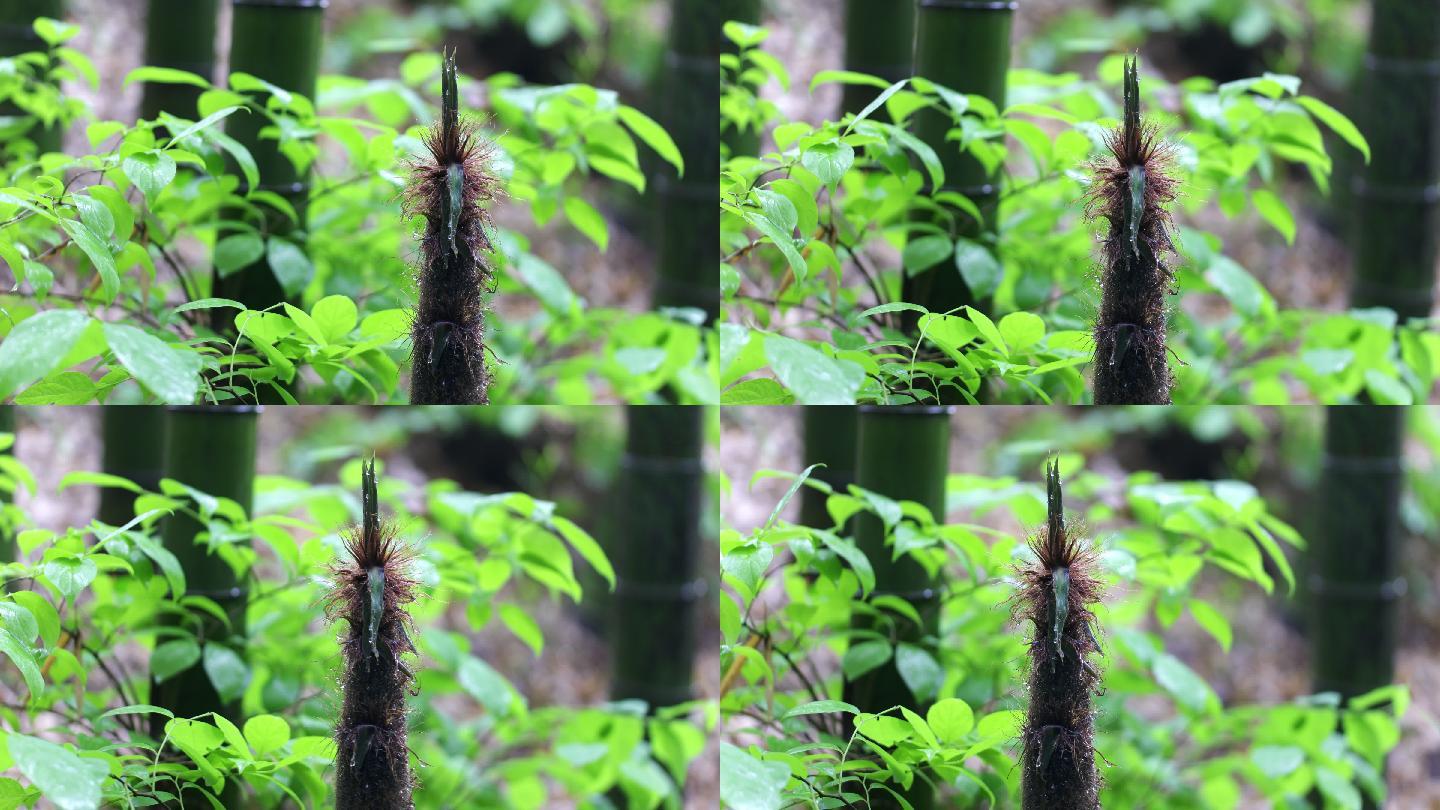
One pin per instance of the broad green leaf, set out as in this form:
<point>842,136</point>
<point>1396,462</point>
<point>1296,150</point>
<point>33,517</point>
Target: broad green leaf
<point>864,657</point>
<point>36,345</point>
<point>653,135</point>
<point>829,161</point>
<point>925,252</point>
<point>172,657</point>
<point>164,75</point>
<point>1337,122</point>
<point>237,251</point>
<point>1275,211</point>
<point>266,733</point>
<point>70,781</point>
<point>335,316</point>
<point>227,670</point>
<point>96,249</point>
<point>170,373</point>
<point>951,719</point>
<point>821,707</point>
<point>587,221</point>
<point>150,171</point>
<point>920,671</point>
<point>747,783</point>
<point>292,268</point>
<point>71,575</point>
<point>812,376</point>
<point>1277,761</point>
<point>524,627</point>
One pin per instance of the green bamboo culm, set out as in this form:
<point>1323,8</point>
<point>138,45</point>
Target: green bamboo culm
<point>278,41</point>
<point>210,449</point>
<point>1397,234</point>
<point>657,555</point>
<point>371,587</point>
<point>132,447</point>
<point>902,452</point>
<point>448,186</point>
<point>179,34</point>
<point>747,141</point>
<point>1355,586</point>
<point>17,36</point>
<point>830,435</point>
<point>963,45</point>
<point>688,219</point>
<point>1057,594</point>
<point>880,41</point>
<point>1132,192</point>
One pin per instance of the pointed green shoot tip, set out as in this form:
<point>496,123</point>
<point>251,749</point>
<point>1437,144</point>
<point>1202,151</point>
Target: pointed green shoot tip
<point>450,98</point>
<point>1055,508</point>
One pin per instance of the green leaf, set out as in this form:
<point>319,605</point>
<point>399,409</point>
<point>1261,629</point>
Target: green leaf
<point>1337,122</point>
<point>163,75</point>
<point>784,241</point>
<point>920,671</point>
<point>547,284</point>
<point>813,377</point>
<point>171,374</point>
<point>71,575</point>
<point>828,161</point>
<point>1188,688</point>
<point>523,627</point>
<point>1213,621</point>
<point>587,221</point>
<point>150,171</point>
<point>865,657</point>
<point>335,316</point>
<point>237,251</point>
<point>821,707</point>
<point>979,267</point>
<point>586,547</point>
<point>846,549</point>
<point>759,391</point>
<point>1238,286</point>
<point>227,670</point>
<point>951,719</point>
<point>988,330</point>
<point>266,733</point>
<point>925,252</point>
<point>292,268</point>
<point>1274,210</point>
<point>172,657</point>
<point>653,135</point>
<point>99,254</point>
<point>1021,330</point>
<point>22,655</point>
<point>37,345</point>
<point>1337,789</point>
<point>1277,761</point>
<point>1385,389</point>
<point>747,783</point>
<point>486,685</point>
<point>47,618</point>
<point>68,780</point>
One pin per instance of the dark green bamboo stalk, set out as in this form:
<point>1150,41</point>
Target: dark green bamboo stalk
<point>370,592</point>
<point>964,45</point>
<point>658,581</point>
<point>278,41</point>
<point>179,34</point>
<point>1056,595</point>
<point>17,36</point>
<point>133,447</point>
<point>448,188</point>
<point>749,12</point>
<point>1355,586</point>
<point>830,435</point>
<point>688,219</point>
<point>211,449</point>
<point>1397,232</point>
<point>902,452</point>
<point>880,41</point>
<point>1132,192</point>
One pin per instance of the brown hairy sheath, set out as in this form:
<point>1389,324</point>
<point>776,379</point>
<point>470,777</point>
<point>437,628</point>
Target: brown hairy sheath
<point>1056,594</point>
<point>1132,190</point>
<point>371,588</point>
<point>448,186</point>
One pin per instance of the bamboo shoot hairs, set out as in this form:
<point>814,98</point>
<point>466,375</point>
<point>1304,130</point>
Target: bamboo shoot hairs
<point>448,185</point>
<point>1056,595</point>
<point>1131,191</point>
<point>371,585</point>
